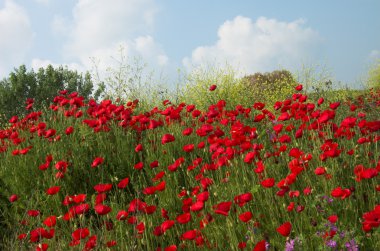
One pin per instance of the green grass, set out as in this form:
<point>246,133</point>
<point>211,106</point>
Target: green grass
<point>232,136</point>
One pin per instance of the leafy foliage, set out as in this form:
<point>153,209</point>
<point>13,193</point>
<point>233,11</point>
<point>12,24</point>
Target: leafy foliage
<point>270,86</point>
<point>230,87</point>
<point>41,87</point>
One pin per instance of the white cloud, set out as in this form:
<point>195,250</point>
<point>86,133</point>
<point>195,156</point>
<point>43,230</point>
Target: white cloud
<point>16,36</point>
<point>43,1</point>
<point>99,24</point>
<point>38,63</point>
<point>98,29</point>
<point>59,26</point>
<point>262,45</point>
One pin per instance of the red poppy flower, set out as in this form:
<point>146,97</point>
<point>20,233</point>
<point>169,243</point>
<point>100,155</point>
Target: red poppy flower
<point>79,198</point>
<point>138,148</point>
<point>183,218</point>
<point>260,246</point>
<point>102,209</point>
<point>285,229</point>
<point>49,133</point>
<point>69,130</point>
<point>97,161</point>
<point>22,236</point>
<point>223,208</point>
<point>299,87</point>
<point>91,243</point>
<point>244,217</point>
<point>334,105</point>
<point>307,191</point>
<point>13,198</point>
<point>197,206</point>
<point>189,235</point>
<point>320,170</point>
<point>123,183</point>
<point>320,101</point>
<point>242,245</point>
<point>140,228</point>
<point>154,164</point>
<point>13,120</point>
<point>33,213</point>
<point>53,190</point>
<point>267,183</point>
<point>167,225</point>
<point>149,190</point>
<point>101,188</point>
<point>161,186</point>
<point>122,215</point>
<point>333,218</point>
<point>337,192</point>
<point>212,88</point>
<point>167,138</point>
<point>81,208</point>
<point>50,221</point>
<point>290,206</point>
<point>44,166</point>
<point>203,196</point>
<point>139,166</point>
<point>80,233</point>
<point>42,247</point>
<point>61,166</point>
<point>100,198</point>
<point>158,176</point>
<point>188,148</point>
<point>242,199</point>
<point>171,248</point>
<point>111,243</point>
<point>187,131</point>
<point>37,234</point>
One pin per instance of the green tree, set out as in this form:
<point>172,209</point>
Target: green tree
<point>41,86</point>
<point>271,86</point>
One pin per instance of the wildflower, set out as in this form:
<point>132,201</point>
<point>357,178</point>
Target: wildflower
<point>245,217</point>
<point>331,243</point>
<point>50,221</point>
<point>53,190</point>
<point>80,233</point>
<point>13,198</point>
<point>289,246</point>
<point>267,183</point>
<point>285,229</point>
<point>167,138</point>
<point>97,161</point>
<point>123,183</point>
<point>101,209</point>
<point>351,246</point>
<point>260,246</point>
<point>223,208</point>
<point>212,88</point>
<point>299,87</point>
<point>189,235</point>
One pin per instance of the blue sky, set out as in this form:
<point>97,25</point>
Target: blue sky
<point>168,35</point>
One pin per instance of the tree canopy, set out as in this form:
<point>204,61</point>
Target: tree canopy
<point>41,87</point>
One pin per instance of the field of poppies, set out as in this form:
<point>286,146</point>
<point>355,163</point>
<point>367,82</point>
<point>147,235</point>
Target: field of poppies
<point>297,175</point>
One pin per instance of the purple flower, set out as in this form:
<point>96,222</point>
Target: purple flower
<point>333,228</point>
<point>331,244</point>
<point>342,234</point>
<point>267,245</point>
<point>352,246</point>
<point>289,246</point>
